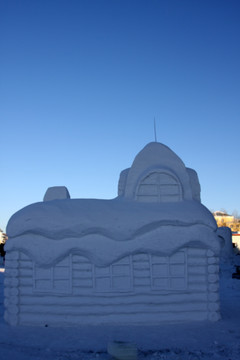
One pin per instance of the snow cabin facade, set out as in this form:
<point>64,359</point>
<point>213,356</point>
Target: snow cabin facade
<point>151,255</point>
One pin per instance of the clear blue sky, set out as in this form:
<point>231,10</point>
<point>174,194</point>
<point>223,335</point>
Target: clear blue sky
<point>82,80</point>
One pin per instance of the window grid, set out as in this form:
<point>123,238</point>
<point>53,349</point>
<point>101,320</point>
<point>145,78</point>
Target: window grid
<point>112,275</point>
<point>165,273</point>
<point>159,187</point>
<point>169,277</point>
<point>46,280</point>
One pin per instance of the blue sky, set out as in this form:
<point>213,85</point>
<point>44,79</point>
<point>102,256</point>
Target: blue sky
<point>82,80</point>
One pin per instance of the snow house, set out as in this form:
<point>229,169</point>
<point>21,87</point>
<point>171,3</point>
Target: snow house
<point>148,256</point>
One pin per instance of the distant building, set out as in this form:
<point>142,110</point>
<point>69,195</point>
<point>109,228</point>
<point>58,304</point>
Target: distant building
<point>223,219</point>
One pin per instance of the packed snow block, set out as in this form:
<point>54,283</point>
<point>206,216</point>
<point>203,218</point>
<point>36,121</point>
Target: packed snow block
<point>150,255</point>
<point>225,234</point>
<point>56,192</point>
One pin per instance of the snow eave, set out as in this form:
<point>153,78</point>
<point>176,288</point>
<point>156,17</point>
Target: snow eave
<point>102,251</point>
<point>118,219</point>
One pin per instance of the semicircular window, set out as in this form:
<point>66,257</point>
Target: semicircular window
<point>159,187</point>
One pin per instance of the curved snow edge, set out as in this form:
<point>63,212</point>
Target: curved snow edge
<point>102,251</point>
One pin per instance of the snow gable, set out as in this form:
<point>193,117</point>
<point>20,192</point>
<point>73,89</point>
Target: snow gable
<point>159,175</point>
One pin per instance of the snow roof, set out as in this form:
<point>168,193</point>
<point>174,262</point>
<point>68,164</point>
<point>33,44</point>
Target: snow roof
<point>106,230</point>
<point>119,219</point>
<point>154,157</point>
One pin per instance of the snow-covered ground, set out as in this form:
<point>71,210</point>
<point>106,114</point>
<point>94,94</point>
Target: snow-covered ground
<point>193,341</point>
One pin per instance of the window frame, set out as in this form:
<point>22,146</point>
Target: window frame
<point>158,197</point>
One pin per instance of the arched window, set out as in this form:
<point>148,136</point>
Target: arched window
<point>159,187</point>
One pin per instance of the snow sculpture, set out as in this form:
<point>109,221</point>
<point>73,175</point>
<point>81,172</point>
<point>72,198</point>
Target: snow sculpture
<point>148,256</point>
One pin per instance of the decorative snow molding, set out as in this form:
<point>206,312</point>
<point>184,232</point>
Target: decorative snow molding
<point>150,255</point>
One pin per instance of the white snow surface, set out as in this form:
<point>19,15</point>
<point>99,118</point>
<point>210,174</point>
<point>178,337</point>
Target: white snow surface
<point>181,341</point>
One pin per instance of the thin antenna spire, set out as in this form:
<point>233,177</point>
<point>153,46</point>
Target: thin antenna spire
<point>155,132</point>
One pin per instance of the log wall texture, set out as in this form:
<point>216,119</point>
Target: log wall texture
<point>139,288</point>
